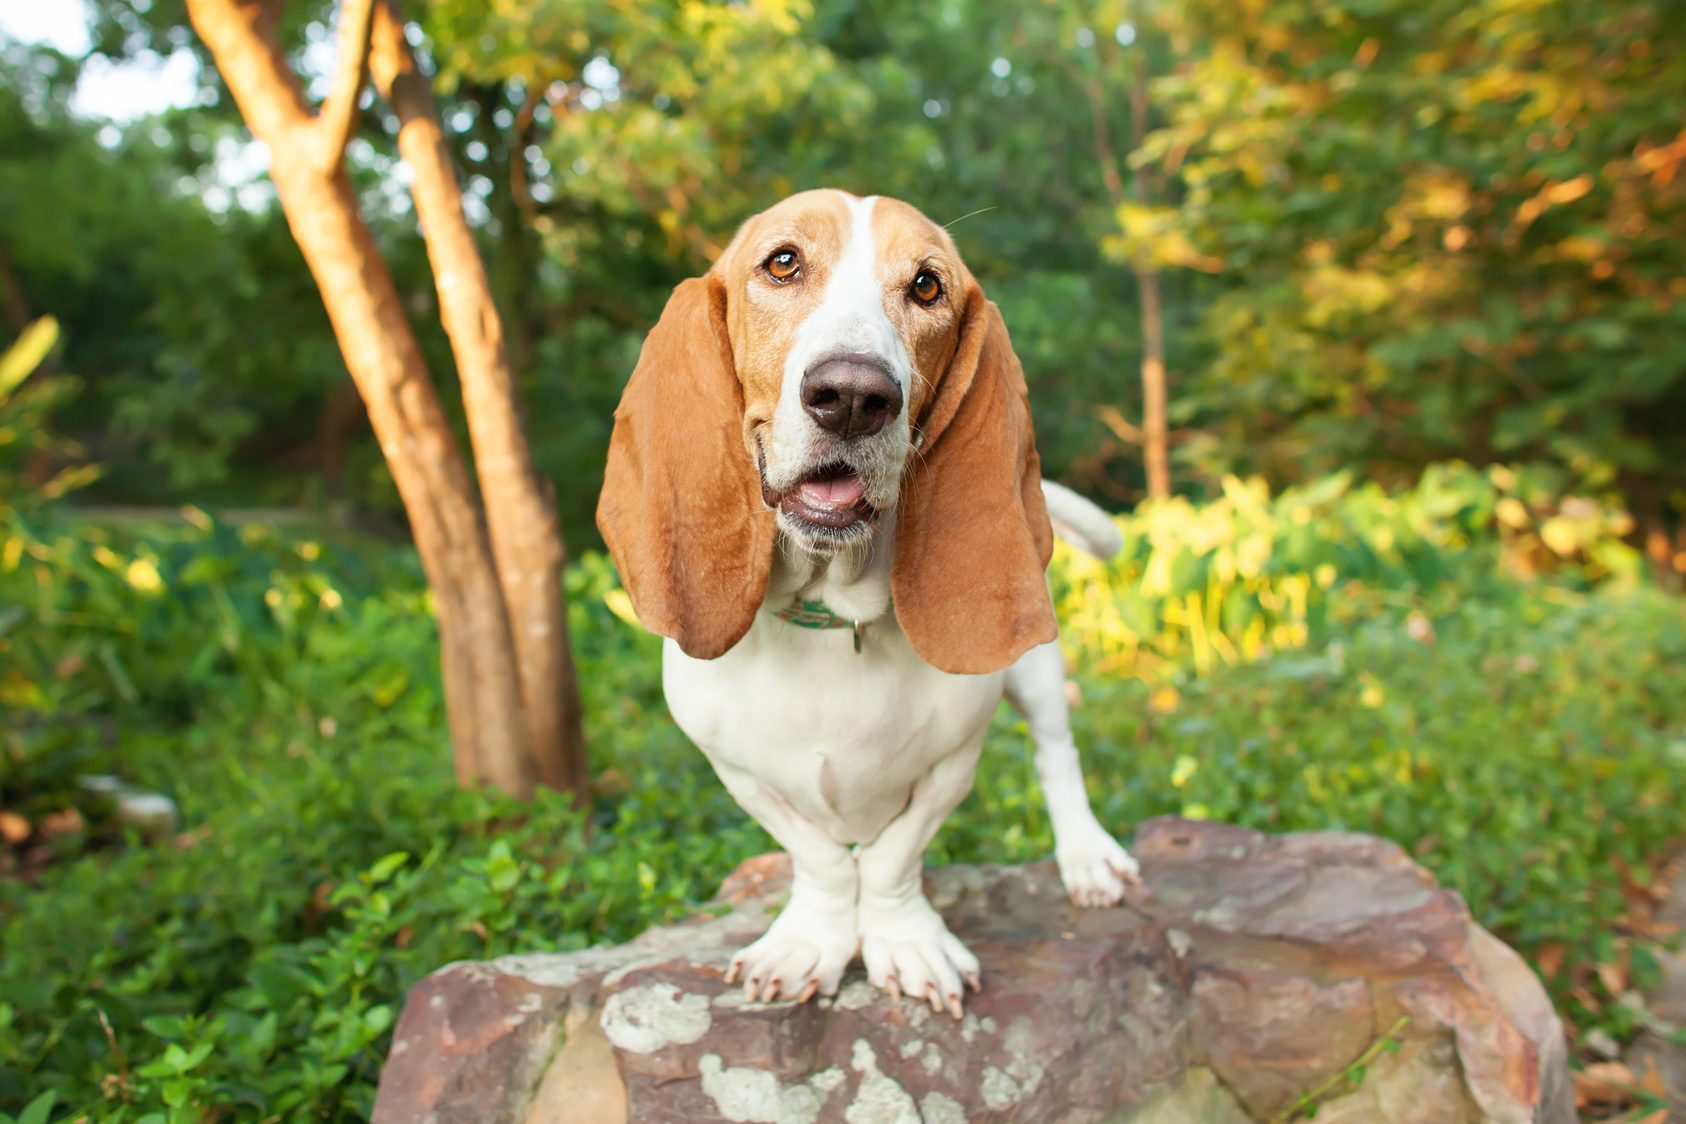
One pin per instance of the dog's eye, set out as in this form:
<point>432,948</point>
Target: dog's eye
<point>926,288</point>
<point>783,265</point>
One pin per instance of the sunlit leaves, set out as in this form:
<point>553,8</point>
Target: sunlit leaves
<point>1487,256</point>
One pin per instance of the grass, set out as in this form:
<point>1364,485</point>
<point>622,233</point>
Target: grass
<point>1383,671</point>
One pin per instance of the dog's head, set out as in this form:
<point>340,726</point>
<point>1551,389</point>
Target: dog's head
<point>837,367</point>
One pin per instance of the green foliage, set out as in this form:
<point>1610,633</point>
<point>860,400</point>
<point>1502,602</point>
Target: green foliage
<point>1391,234</point>
<point>288,700</point>
<point>28,400</point>
<point>1519,736</point>
<point>191,320</point>
<point>1445,229</point>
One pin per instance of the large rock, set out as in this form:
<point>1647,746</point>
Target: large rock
<point>1263,969</point>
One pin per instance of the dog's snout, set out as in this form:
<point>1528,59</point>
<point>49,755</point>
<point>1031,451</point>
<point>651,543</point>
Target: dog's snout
<point>850,395</point>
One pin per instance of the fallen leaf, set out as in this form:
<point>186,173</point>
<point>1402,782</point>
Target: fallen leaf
<point>14,828</point>
<point>65,821</point>
<point>1653,1082</point>
<point>1549,959</point>
<point>1607,1084</point>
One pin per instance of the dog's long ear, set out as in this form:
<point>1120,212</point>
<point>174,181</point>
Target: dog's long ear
<point>681,507</point>
<point>972,536</point>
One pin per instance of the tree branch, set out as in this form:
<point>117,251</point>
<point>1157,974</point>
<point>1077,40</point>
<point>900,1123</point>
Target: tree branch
<point>338,117</point>
<point>1104,158</point>
<point>519,188</point>
<point>1130,433</point>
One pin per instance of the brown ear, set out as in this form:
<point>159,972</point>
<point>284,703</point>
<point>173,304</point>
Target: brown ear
<point>681,507</point>
<point>972,536</point>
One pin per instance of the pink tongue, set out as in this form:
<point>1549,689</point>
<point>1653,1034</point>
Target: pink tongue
<point>841,492</point>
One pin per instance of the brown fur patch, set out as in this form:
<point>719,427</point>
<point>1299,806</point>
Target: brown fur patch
<point>681,507</point>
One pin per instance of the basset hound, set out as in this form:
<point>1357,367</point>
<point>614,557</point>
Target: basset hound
<point>823,489</point>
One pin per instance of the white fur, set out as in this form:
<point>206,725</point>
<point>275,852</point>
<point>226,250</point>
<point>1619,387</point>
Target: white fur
<point>1080,522</point>
<point>849,318</point>
<point>853,760</point>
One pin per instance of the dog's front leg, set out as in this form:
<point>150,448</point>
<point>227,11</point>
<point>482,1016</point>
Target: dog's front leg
<point>907,948</point>
<point>1093,866</point>
<point>815,936</point>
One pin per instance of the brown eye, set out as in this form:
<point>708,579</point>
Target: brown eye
<point>926,288</point>
<point>783,265</point>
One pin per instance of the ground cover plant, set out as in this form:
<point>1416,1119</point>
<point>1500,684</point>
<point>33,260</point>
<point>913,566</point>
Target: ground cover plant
<point>1472,667</point>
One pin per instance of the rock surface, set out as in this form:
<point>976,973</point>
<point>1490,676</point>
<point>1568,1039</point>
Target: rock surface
<point>1661,1044</point>
<point>1262,969</point>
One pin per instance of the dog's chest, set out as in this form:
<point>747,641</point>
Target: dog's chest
<point>842,736</point>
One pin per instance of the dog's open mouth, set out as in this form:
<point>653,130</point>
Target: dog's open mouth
<point>831,497</point>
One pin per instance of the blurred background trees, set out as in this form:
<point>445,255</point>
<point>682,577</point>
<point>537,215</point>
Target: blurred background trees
<point>1380,234</point>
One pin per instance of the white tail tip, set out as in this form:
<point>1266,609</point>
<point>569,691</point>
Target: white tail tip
<point>1081,523</point>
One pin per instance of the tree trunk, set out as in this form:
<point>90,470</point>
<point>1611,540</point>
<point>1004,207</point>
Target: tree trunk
<point>526,542</point>
<point>337,425</point>
<point>483,683</point>
<point>14,306</point>
<point>1155,453</point>
<point>1154,435</point>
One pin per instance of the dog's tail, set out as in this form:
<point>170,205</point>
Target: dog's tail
<point>1080,522</point>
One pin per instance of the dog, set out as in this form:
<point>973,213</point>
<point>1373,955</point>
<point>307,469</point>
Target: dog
<point>823,489</point>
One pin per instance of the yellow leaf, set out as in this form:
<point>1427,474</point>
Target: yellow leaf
<point>1164,700</point>
<point>1511,513</point>
<point>620,604</point>
<point>142,574</point>
<point>1559,535</point>
<point>1184,768</point>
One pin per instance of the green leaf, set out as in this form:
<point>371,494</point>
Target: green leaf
<point>165,1026</point>
<point>177,1091</point>
<point>385,867</point>
<point>376,1020</point>
<point>38,1110</point>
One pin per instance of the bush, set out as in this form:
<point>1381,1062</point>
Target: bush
<point>1380,669</point>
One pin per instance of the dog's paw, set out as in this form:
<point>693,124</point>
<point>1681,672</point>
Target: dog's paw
<point>909,951</point>
<point>1095,868</point>
<point>802,955</point>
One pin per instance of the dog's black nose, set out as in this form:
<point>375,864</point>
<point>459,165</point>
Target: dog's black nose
<point>850,395</point>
